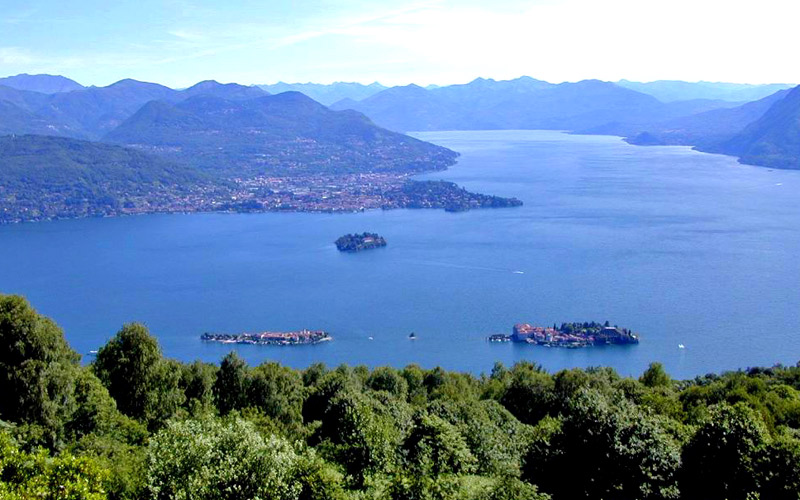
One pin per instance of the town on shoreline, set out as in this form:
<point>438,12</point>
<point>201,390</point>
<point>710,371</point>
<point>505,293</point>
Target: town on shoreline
<point>335,193</point>
<point>570,335</point>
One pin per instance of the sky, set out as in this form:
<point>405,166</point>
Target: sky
<point>180,42</point>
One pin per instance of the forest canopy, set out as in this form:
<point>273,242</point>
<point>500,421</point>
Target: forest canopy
<point>136,425</point>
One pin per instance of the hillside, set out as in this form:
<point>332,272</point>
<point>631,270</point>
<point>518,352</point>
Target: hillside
<point>703,129</point>
<point>523,103</point>
<point>773,140</point>
<point>44,177</point>
<point>287,133</point>
<point>96,110</point>
<point>45,84</point>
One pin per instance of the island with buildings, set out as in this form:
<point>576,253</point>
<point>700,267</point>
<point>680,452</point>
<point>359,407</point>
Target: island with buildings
<point>270,338</point>
<point>358,242</point>
<point>569,335</point>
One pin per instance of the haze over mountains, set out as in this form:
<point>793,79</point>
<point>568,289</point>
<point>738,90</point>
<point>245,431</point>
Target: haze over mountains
<point>676,90</point>
<point>327,94</point>
<point>524,103</point>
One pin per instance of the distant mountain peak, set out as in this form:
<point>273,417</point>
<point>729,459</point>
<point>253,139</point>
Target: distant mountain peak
<point>131,83</point>
<point>43,83</point>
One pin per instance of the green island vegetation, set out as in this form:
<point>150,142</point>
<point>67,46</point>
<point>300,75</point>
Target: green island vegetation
<point>135,425</point>
<point>358,242</point>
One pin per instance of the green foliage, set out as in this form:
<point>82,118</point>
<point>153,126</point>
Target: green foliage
<point>219,459</point>
<point>435,447</point>
<point>388,379</point>
<point>197,383</point>
<point>495,438</point>
<point>144,384</point>
<point>781,469</point>
<point>529,395</point>
<point>124,460</point>
<point>379,434</point>
<point>37,369</point>
<point>44,177</point>
<point>721,461</point>
<point>359,435</point>
<point>26,476</point>
<point>655,376</point>
<point>510,488</point>
<point>278,392</point>
<point>230,388</point>
<point>620,452</point>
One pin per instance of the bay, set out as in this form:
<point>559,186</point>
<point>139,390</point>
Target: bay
<point>680,246</point>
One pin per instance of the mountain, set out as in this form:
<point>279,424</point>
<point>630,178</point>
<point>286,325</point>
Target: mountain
<point>96,110</point>
<point>231,91</point>
<point>90,113</point>
<point>703,130</point>
<point>675,90</point>
<point>523,103</point>
<point>18,114</point>
<point>327,94</point>
<point>45,84</point>
<point>773,140</point>
<point>284,134</point>
<point>45,177</point>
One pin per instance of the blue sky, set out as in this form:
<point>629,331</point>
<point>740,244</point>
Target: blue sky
<point>180,42</point>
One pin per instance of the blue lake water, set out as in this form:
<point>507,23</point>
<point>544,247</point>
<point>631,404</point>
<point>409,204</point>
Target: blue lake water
<point>682,247</point>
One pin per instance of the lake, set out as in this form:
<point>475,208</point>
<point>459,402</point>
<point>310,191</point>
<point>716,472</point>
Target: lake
<point>680,246</point>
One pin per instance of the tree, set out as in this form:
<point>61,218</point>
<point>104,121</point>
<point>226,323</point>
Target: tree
<point>780,469</point>
<point>230,388</point>
<point>387,379</point>
<point>721,459</point>
<point>655,376</point>
<point>143,384</point>
<point>620,452</point>
<point>95,410</point>
<point>529,396</point>
<point>359,436</point>
<point>213,459</point>
<point>511,488</point>
<point>38,475</point>
<point>37,369</point>
<point>197,384</point>
<point>435,447</point>
<point>278,392</point>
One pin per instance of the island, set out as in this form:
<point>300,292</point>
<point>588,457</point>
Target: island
<point>569,335</point>
<point>358,242</point>
<point>270,338</point>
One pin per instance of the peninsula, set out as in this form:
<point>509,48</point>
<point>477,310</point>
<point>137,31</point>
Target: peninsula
<point>270,338</point>
<point>569,335</point>
<point>358,242</point>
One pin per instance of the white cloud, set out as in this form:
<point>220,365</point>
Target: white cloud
<point>14,55</point>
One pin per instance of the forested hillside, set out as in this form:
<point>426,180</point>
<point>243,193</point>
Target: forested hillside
<point>42,177</point>
<point>134,425</point>
<point>284,134</point>
<point>774,139</point>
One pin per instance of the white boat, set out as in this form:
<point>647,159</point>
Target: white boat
<point>681,346</point>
